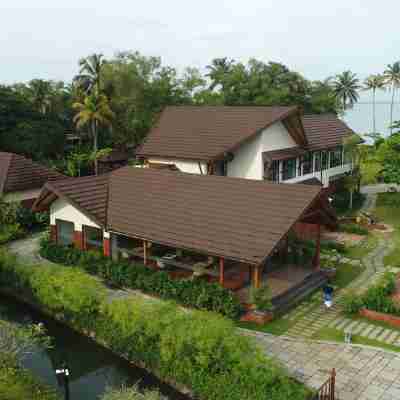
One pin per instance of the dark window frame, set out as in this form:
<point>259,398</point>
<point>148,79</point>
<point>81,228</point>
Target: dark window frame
<point>289,169</point>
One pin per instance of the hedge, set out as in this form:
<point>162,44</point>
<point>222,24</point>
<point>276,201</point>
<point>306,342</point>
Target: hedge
<point>194,293</point>
<point>198,349</point>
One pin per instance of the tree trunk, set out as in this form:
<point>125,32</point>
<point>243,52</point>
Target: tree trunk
<point>391,109</point>
<point>374,110</point>
<point>351,199</point>
<point>95,148</point>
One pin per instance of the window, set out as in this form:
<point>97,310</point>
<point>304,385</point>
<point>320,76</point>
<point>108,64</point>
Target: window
<point>336,157</point>
<point>288,169</point>
<point>65,233</point>
<point>306,164</point>
<point>275,171</point>
<point>93,237</point>
<point>324,157</point>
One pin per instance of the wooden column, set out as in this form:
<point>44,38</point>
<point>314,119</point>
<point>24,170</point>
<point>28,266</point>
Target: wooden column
<point>107,247</point>
<point>53,233</point>
<point>145,252</point>
<point>221,271</point>
<point>317,255</point>
<point>78,240</point>
<point>256,276</point>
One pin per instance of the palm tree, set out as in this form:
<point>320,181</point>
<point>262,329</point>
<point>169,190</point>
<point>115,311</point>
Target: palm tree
<point>89,78</point>
<point>94,111</point>
<point>374,83</point>
<point>41,94</point>
<point>345,89</point>
<point>392,79</point>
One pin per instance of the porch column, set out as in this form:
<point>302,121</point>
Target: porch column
<point>317,255</point>
<point>221,271</point>
<point>79,240</point>
<point>256,276</point>
<point>145,252</point>
<point>53,233</point>
<point>106,244</point>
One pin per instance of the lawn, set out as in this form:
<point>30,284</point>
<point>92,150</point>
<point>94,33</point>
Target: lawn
<point>333,335</point>
<point>388,211</point>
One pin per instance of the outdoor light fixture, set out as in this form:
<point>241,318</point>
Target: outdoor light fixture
<point>63,379</point>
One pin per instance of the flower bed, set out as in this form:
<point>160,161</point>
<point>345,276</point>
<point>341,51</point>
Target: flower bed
<point>191,293</point>
<point>196,349</point>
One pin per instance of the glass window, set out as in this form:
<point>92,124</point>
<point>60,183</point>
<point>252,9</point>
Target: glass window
<point>65,233</point>
<point>324,156</point>
<point>275,171</point>
<point>289,169</point>
<point>336,157</point>
<point>306,163</point>
<point>93,237</point>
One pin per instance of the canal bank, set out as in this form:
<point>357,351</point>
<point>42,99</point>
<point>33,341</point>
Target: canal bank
<point>93,367</point>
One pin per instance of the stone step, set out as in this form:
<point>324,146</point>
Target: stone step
<point>393,337</point>
<point>375,332</point>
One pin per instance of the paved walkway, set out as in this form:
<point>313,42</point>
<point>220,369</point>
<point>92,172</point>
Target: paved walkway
<point>363,372</point>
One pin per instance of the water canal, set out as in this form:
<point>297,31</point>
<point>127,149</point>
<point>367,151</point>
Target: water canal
<point>93,368</point>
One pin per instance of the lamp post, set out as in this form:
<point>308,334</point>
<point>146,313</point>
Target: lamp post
<point>63,379</point>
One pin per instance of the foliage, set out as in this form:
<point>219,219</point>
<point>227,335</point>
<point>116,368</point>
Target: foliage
<point>17,383</point>
<point>261,297</point>
<point>131,393</point>
<point>341,201</point>
<point>195,293</point>
<point>352,303</point>
<point>392,79</point>
<point>376,298</point>
<point>388,155</point>
<point>198,349</point>
<point>354,228</point>
<point>374,83</point>
<point>345,88</point>
<point>70,293</point>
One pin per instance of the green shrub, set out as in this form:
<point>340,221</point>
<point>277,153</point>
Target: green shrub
<point>18,384</point>
<point>200,350</point>
<point>352,303</point>
<point>261,297</point>
<point>11,232</point>
<point>353,228</point>
<point>341,201</point>
<point>192,293</point>
<point>331,245</point>
<point>131,393</point>
<point>388,200</point>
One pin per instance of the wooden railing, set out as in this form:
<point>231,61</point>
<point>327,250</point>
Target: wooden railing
<point>327,390</point>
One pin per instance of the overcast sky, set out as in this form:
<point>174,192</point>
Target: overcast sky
<point>45,38</point>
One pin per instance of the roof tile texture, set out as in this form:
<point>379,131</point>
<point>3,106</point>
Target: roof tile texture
<point>205,133</point>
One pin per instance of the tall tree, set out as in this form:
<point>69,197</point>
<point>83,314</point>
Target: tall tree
<point>345,89</point>
<point>392,79</point>
<point>93,112</point>
<point>90,74</point>
<point>374,83</point>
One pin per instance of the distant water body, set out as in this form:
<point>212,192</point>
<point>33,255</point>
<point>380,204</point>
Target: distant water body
<point>360,117</point>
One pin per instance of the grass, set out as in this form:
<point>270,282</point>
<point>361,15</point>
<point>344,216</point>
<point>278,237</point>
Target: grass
<point>388,211</point>
<point>345,274</point>
<point>333,335</point>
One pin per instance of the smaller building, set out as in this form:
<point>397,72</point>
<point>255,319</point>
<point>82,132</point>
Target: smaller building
<point>227,230</point>
<point>21,179</point>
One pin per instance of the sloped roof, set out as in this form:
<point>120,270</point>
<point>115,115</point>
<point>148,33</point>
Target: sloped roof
<point>228,217</point>
<point>18,173</point>
<point>284,154</point>
<point>325,131</point>
<point>88,194</point>
<point>205,133</point>
<point>235,218</point>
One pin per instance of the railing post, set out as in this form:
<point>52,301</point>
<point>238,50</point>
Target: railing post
<point>333,381</point>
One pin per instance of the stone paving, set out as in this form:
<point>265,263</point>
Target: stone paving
<point>363,372</point>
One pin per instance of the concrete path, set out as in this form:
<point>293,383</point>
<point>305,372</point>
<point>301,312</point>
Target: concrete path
<point>363,372</point>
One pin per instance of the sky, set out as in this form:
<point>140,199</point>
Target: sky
<point>319,38</point>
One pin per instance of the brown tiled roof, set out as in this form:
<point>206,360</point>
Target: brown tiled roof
<point>325,131</point>
<point>88,194</point>
<point>205,133</point>
<point>284,154</point>
<point>18,173</point>
<point>235,218</point>
<point>311,181</point>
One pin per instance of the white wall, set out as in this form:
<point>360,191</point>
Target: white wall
<point>23,195</point>
<point>191,167</point>
<point>60,209</point>
<point>248,162</point>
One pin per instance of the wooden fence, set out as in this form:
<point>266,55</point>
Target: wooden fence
<point>327,390</point>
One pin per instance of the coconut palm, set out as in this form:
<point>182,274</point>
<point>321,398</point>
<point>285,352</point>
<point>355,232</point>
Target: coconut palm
<point>89,78</point>
<point>392,79</point>
<point>345,89</point>
<point>93,112</point>
<point>374,83</point>
<point>41,93</point>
